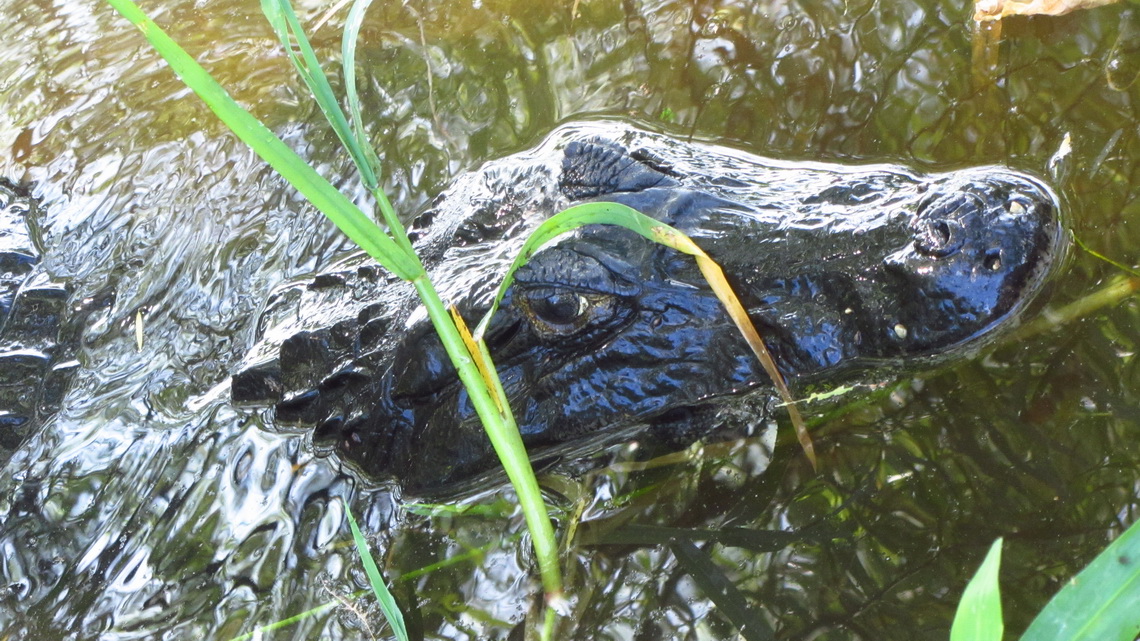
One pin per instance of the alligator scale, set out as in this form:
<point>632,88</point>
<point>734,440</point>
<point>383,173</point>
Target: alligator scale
<point>841,268</point>
<point>36,346</point>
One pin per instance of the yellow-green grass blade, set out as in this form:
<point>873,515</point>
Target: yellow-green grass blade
<point>1102,603</point>
<point>659,232</point>
<point>568,220</point>
<point>499,423</point>
<point>979,612</point>
<point>339,209</point>
<point>383,596</point>
<point>478,350</point>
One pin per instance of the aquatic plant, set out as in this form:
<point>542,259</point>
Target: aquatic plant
<point>393,249</point>
<point>1101,603</point>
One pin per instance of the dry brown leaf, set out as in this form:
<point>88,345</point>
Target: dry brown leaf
<point>986,10</point>
<point>719,284</point>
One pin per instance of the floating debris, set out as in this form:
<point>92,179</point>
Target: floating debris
<point>987,10</point>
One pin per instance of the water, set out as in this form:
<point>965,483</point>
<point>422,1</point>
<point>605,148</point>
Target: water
<point>149,508</point>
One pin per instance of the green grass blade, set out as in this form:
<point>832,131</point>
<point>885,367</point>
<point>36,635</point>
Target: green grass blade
<point>504,435</point>
<point>979,612</point>
<point>259,632</point>
<point>365,232</point>
<point>1102,603</point>
<point>383,596</point>
<point>1095,254</point>
<point>513,456</point>
<point>721,591</point>
<point>352,26</point>
<point>288,28</point>
<point>289,31</point>
<point>657,231</point>
<point>353,222</point>
<point>569,220</point>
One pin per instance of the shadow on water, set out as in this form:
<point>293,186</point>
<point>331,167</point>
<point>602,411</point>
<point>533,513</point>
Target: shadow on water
<point>147,507</point>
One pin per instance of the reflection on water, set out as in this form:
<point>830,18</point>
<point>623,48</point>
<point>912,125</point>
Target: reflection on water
<point>148,507</point>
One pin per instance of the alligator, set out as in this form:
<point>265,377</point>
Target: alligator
<point>843,269</point>
<point>34,370</point>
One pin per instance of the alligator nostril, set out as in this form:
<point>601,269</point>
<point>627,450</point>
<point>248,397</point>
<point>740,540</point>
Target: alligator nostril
<point>935,238</point>
<point>940,231</point>
<point>992,261</point>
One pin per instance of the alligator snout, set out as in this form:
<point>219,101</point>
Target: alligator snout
<point>946,222</point>
<point>981,240</point>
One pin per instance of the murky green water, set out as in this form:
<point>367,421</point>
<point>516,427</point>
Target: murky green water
<point>149,508</point>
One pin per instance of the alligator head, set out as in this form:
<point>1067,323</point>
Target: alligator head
<point>840,268</point>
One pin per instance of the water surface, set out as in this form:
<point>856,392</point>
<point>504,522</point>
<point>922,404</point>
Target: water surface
<point>148,507</point>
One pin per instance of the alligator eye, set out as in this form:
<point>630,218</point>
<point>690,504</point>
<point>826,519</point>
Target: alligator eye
<point>562,312</point>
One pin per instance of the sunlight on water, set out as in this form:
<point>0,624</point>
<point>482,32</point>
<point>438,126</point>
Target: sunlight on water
<point>143,505</point>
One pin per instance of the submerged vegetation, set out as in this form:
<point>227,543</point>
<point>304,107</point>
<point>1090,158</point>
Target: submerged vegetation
<point>1078,612</point>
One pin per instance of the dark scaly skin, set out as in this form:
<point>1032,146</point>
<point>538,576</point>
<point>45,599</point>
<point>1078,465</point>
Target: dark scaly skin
<point>841,268</point>
<point>33,377</point>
